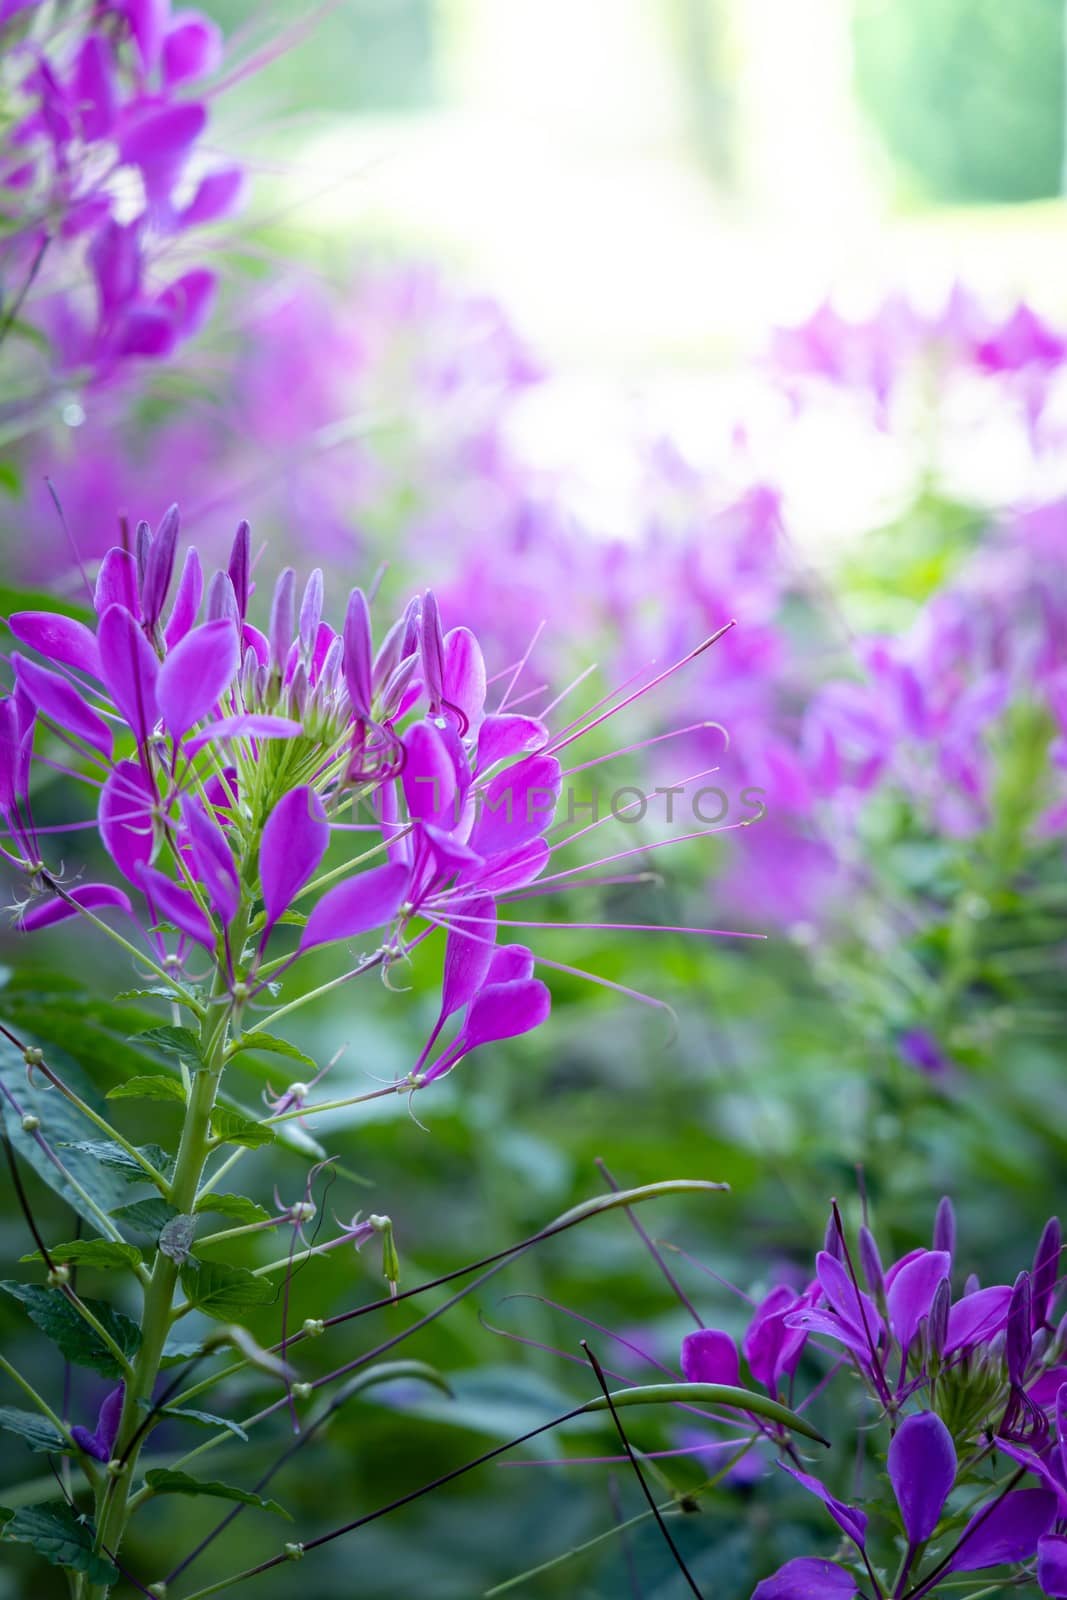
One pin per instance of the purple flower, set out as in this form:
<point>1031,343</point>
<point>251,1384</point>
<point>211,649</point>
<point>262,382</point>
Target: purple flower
<point>100,1442</point>
<point>922,1470</point>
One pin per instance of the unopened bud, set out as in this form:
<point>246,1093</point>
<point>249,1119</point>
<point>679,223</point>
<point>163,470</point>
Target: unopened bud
<point>937,1324</point>
<point>298,1091</point>
<point>945,1226</point>
<point>293,1552</point>
<point>239,992</point>
<point>30,1123</point>
<point>390,1255</point>
<point>32,1056</point>
<point>871,1262</point>
<point>158,1590</point>
<point>59,1277</point>
<point>313,1327</point>
<point>302,1211</point>
<point>115,1467</point>
<point>301,1391</point>
<point>1018,1341</point>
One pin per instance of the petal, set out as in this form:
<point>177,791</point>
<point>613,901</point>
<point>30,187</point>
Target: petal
<point>215,196</point>
<point>212,860</point>
<point>501,737</point>
<point>252,725</point>
<point>464,675</point>
<point>922,1470</point>
<point>93,896</point>
<point>191,48</point>
<point>432,651</point>
<point>851,1520</point>
<point>186,302</point>
<point>1052,1565</point>
<point>196,674</point>
<point>240,558</point>
<point>59,701</point>
<point>469,950</point>
<point>710,1356</point>
<point>172,904</point>
<point>912,1291</point>
<point>505,1010</point>
<point>978,1317</point>
<point>59,638</point>
<point>367,901</point>
<point>116,582</point>
<point>517,805</point>
<point>509,963</point>
<point>107,1423</point>
<point>159,566</point>
<point>807,1578</point>
<point>357,657</point>
<point>429,776</point>
<point>1008,1531</point>
<point>125,818</point>
<point>187,600</point>
<point>295,837</point>
<point>131,669</point>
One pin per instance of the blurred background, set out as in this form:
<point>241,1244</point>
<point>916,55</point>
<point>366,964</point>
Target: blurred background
<point>631,318</point>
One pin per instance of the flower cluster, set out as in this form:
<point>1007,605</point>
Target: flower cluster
<point>223,760</point>
<point>104,159</point>
<point>966,1404</point>
<point>880,354</point>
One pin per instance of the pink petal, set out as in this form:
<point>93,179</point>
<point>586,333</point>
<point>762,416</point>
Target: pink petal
<point>353,908</point>
<point>191,48</point>
<point>295,837</point>
<point>93,896</point>
<point>59,638</point>
<point>187,600</point>
<point>175,905</point>
<point>195,675</point>
<point>131,669</point>
<point>251,725</point>
<point>710,1356</point>
<point>59,701</point>
<point>125,819</point>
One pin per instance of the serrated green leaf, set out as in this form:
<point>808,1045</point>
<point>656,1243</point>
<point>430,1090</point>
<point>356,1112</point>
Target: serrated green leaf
<point>175,1041</point>
<point>115,1158</point>
<point>223,1291</point>
<point>62,1537</point>
<point>58,1321</point>
<point>274,1046</point>
<point>203,1419</point>
<point>163,1480</point>
<point>233,1127</point>
<point>37,1431</point>
<point>106,1254</point>
<point>237,1206</point>
<point>146,1216</point>
<point>176,1238</point>
<point>141,1088</point>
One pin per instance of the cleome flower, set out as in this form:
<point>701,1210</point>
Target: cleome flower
<point>226,761</point>
<point>967,1389</point>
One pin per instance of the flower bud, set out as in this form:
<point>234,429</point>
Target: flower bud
<point>32,1056</point>
<point>30,1123</point>
<point>301,1391</point>
<point>311,611</point>
<point>945,1226</point>
<point>221,603</point>
<point>833,1244</point>
<point>293,1552</point>
<point>871,1262</point>
<point>58,1277</point>
<point>1046,1270</point>
<point>159,567</point>
<point>937,1322</point>
<point>313,1327</point>
<point>280,632</point>
<point>1018,1340</point>
<point>240,566</point>
<point>357,654</point>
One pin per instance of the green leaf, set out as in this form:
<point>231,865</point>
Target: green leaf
<point>272,1045</point>
<point>222,1291</point>
<point>57,1319</point>
<point>62,1537</point>
<point>162,1480</point>
<point>237,1206</point>
<point>91,1030</point>
<point>155,991</point>
<point>141,1088</point>
<point>116,1159</point>
<point>177,1351</point>
<point>176,1238</point>
<point>106,1254</point>
<point>60,1124</point>
<point>233,1127</point>
<point>203,1419</point>
<point>707,1394</point>
<point>146,1216</point>
<point>37,1431</point>
<point>180,1042</point>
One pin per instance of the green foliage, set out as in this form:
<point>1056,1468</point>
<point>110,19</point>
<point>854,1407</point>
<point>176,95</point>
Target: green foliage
<point>61,1536</point>
<point>180,1042</point>
<point>59,1321</point>
<point>151,1088</point>
<point>36,1430</point>
<point>106,1255</point>
<point>968,94</point>
<point>162,1480</point>
<point>112,1156</point>
<point>236,1206</point>
<point>270,1044</point>
<point>148,1217</point>
<point>234,1127</point>
<point>203,1419</point>
<point>223,1292</point>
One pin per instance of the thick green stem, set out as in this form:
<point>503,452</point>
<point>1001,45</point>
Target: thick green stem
<point>193,1151</point>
